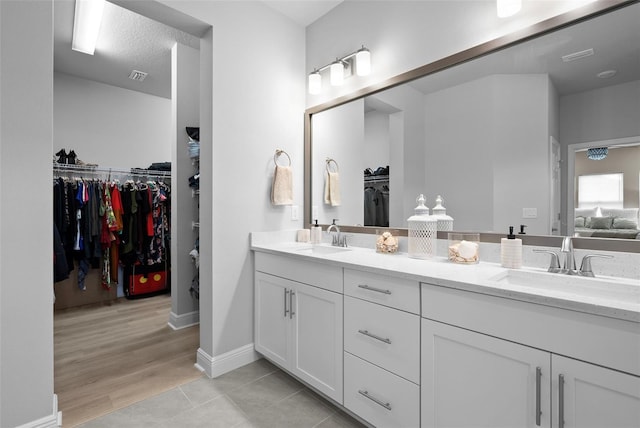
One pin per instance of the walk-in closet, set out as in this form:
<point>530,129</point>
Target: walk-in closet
<point>125,170</point>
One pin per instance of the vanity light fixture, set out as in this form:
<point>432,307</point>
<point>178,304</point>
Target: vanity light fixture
<point>341,68</point>
<point>86,25</point>
<point>597,153</point>
<point>506,8</point>
<point>337,73</point>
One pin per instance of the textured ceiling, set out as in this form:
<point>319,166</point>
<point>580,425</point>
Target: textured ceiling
<point>130,41</point>
<point>127,41</point>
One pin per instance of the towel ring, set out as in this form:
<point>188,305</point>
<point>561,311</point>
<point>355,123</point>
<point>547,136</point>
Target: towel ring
<point>280,152</point>
<point>329,160</point>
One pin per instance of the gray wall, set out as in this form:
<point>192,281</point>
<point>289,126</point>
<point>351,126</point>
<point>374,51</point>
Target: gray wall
<point>111,126</point>
<point>185,111</point>
<point>257,104</point>
<point>26,279</point>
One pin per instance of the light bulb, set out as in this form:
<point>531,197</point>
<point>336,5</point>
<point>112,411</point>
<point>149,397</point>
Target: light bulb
<point>363,62</point>
<point>507,8</point>
<point>337,73</point>
<point>315,83</point>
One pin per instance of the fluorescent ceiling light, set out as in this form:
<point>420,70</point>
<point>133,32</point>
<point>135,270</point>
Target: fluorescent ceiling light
<point>86,25</point>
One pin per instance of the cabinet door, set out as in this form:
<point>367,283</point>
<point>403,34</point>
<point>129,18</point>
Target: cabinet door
<point>317,339</point>
<point>272,317</point>
<point>593,396</point>
<point>473,380</point>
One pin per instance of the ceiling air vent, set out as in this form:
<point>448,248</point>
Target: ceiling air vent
<point>137,75</point>
<point>577,55</point>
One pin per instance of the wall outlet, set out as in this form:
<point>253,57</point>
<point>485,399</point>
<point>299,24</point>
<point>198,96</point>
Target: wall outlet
<point>529,213</point>
<point>294,212</point>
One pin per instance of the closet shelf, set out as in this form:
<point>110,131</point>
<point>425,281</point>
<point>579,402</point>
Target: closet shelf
<point>195,192</point>
<point>195,224</point>
<point>89,169</point>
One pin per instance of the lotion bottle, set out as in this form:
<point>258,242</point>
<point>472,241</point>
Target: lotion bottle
<point>511,251</point>
<point>316,233</point>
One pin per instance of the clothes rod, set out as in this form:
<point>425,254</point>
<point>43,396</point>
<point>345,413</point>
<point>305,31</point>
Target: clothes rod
<point>88,169</point>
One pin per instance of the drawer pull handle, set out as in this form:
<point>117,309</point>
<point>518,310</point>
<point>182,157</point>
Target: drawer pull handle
<point>538,388</point>
<point>560,401</point>
<point>374,399</point>
<point>381,339</point>
<point>378,290</point>
<point>286,294</point>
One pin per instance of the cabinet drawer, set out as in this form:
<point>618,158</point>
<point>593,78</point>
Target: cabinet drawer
<point>387,290</point>
<point>379,397</point>
<point>317,274</point>
<point>386,337</point>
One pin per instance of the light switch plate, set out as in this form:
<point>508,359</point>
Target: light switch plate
<point>529,213</point>
<point>314,212</point>
<point>294,212</point>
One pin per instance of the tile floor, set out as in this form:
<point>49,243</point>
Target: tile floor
<point>256,395</point>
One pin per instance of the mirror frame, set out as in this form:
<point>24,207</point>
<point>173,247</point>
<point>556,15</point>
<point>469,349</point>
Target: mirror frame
<point>575,16</point>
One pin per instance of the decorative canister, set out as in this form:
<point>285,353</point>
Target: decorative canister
<point>386,241</point>
<point>445,222</point>
<point>464,248</point>
<point>423,232</point>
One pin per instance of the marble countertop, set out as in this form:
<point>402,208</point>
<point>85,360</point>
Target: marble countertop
<point>605,296</point>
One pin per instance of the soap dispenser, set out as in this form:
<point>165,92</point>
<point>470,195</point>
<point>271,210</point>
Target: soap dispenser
<point>511,251</point>
<point>316,233</point>
<point>423,231</point>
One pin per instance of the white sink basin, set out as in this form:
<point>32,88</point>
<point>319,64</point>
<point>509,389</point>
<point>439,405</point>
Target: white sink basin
<point>323,249</point>
<point>603,288</point>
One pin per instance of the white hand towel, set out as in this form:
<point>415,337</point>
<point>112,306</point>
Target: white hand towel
<point>332,189</point>
<point>282,189</point>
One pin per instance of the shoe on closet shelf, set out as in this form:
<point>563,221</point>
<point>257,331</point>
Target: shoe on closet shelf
<point>62,156</point>
<point>71,158</point>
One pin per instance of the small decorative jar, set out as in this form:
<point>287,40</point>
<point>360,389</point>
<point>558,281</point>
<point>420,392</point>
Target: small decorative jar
<point>423,231</point>
<point>445,222</point>
<point>464,248</point>
<point>386,241</point>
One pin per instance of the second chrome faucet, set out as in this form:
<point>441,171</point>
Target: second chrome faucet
<point>569,260</point>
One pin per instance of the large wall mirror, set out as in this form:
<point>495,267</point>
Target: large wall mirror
<point>500,131</point>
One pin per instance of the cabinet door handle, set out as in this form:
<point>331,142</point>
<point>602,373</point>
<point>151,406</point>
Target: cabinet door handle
<point>378,290</point>
<point>286,311</point>
<point>374,399</point>
<point>538,390</point>
<point>381,339</point>
<point>560,401</point>
<point>291,313</point>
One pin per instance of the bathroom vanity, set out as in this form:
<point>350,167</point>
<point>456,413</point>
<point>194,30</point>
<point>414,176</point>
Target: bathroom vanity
<point>404,343</point>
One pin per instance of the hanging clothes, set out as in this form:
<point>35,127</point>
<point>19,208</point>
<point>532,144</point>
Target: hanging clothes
<point>102,224</point>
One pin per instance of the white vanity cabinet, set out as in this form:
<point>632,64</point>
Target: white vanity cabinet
<point>490,362</point>
<point>299,326</point>
<point>382,348</point>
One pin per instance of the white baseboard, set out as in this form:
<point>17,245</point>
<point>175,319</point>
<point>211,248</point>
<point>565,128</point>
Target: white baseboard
<point>50,421</point>
<point>221,364</point>
<point>178,322</point>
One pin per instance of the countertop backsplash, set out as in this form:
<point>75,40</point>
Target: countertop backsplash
<point>624,265</point>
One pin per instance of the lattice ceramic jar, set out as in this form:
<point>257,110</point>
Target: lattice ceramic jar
<point>423,232</point>
<point>445,222</point>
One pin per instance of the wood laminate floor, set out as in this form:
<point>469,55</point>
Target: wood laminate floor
<point>109,357</point>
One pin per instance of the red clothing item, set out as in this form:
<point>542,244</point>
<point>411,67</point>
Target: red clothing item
<point>150,215</point>
<point>116,203</point>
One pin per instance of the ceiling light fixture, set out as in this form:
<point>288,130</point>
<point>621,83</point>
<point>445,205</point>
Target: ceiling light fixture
<point>506,8</point>
<point>597,153</point>
<point>341,68</point>
<point>86,25</point>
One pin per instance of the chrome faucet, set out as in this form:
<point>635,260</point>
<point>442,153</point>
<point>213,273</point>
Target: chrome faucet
<point>569,263</point>
<point>337,240</point>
